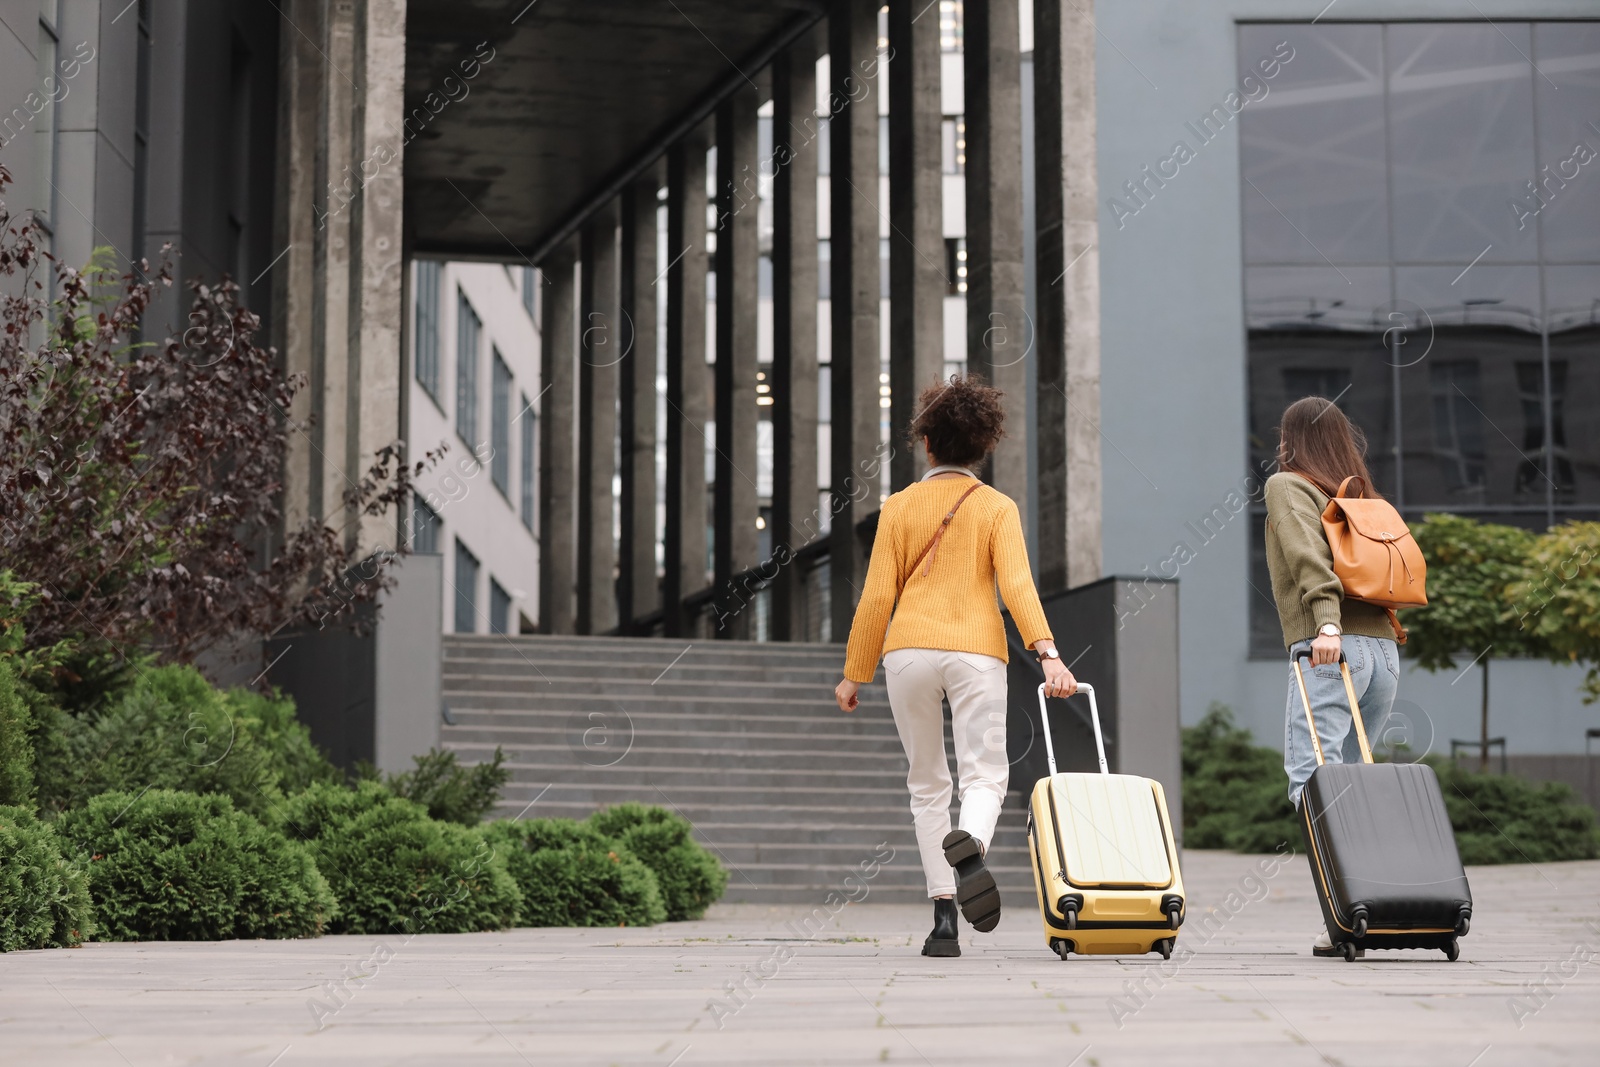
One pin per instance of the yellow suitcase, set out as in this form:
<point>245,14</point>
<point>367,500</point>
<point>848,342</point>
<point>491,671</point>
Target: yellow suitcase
<point>1105,862</point>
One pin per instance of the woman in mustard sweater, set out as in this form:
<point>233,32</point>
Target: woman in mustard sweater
<point>929,610</point>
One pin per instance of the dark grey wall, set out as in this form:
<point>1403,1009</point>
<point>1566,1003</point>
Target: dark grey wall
<point>1121,636</point>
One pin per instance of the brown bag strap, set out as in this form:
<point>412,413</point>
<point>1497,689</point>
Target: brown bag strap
<point>931,549</point>
<point>1346,484</point>
<point>1399,631</point>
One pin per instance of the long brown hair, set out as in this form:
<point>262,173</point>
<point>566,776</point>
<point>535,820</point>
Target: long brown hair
<point>1317,442</point>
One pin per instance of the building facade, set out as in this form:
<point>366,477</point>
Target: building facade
<point>1384,206</point>
<point>473,395</point>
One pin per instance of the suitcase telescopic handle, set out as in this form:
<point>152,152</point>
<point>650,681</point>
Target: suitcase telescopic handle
<point>1349,692</point>
<point>1094,716</point>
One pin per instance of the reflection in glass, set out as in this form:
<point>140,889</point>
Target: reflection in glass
<point>1573,296</point>
<point>1313,147</point>
<point>1568,97</point>
<point>1313,331</point>
<point>1461,139</point>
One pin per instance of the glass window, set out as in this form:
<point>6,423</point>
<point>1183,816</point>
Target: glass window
<point>1461,127</point>
<point>529,423</point>
<point>425,527</point>
<point>500,424</point>
<point>466,590</point>
<point>530,293</point>
<point>1422,246</point>
<point>1312,140</point>
<point>953,144</point>
<point>468,329</point>
<point>1567,95</point>
<point>499,608</point>
<point>426,343</point>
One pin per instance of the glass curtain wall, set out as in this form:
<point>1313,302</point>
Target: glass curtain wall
<point>1421,214</point>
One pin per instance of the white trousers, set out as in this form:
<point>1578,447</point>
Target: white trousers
<point>918,679</point>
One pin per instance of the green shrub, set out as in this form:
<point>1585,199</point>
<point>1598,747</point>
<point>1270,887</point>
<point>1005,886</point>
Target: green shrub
<point>290,758</point>
<point>1235,793</point>
<point>571,875</point>
<point>1499,818</point>
<point>450,791</point>
<point>397,870</point>
<point>174,730</point>
<point>166,865</point>
<point>16,744</point>
<point>690,876</point>
<point>44,898</point>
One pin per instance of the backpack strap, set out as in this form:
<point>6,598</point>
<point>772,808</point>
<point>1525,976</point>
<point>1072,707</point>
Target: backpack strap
<point>1346,483</point>
<point>931,549</point>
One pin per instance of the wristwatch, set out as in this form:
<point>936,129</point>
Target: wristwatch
<point>1047,653</point>
<point>1329,629</point>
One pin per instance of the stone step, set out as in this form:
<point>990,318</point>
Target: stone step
<point>868,755</point>
<point>480,734</point>
<point>743,705</point>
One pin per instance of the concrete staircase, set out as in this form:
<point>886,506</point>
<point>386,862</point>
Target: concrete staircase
<point>742,738</point>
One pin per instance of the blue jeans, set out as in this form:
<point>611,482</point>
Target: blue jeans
<point>1375,672</point>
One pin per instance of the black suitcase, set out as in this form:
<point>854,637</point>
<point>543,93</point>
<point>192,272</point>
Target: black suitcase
<point>1383,855</point>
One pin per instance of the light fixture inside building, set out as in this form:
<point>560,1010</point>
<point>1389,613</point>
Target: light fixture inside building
<point>761,522</point>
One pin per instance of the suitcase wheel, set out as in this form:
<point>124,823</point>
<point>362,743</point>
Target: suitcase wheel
<point>1164,946</point>
<point>1062,947</point>
<point>1452,950</point>
<point>1360,929</point>
<point>1349,951</point>
<point>1172,918</point>
<point>1463,924</point>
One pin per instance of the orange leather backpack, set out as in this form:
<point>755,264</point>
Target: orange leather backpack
<point>1374,555</point>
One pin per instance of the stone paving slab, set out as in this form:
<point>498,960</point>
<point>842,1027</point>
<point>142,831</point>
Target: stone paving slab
<point>845,988</point>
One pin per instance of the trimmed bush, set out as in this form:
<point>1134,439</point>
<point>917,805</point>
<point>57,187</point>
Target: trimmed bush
<point>44,898</point>
<point>1235,793</point>
<point>394,869</point>
<point>690,876</point>
<point>450,791</point>
<point>571,875</point>
<point>1502,819</point>
<point>16,745</point>
<point>174,730</point>
<point>172,866</point>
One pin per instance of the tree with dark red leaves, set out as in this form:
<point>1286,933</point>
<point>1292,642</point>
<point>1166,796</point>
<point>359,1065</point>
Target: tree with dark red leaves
<point>141,481</point>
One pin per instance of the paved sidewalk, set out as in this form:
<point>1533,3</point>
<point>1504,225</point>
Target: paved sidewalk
<point>856,992</point>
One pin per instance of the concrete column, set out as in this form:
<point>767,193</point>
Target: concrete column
<point>855,291</point>
<point>557,444</point>
<point>917,280</point>
<point>296,217</point>
<point>377,265</point>
<point>684,547</point>
<point>601,341</point>
<point>1068,271</point>
<point>330,269</point>
<point>734,507</point>
<point>338,287</point>
<point>998,331</point>
<point>637,592</point>
<point>795,518</point>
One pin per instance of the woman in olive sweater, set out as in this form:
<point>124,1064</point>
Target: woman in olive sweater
<point>1318,448</point>
<point>928,609</point>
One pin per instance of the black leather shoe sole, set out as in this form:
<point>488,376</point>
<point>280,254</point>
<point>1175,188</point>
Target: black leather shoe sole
<point>1336,952</point>
<point>976,892</point>
<point>936,946</point>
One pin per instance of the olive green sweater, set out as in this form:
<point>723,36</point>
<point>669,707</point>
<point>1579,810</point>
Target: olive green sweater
<point>1304,586</point>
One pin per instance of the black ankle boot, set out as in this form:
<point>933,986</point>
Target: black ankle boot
<point>979,896</point>
<point>943,940</point>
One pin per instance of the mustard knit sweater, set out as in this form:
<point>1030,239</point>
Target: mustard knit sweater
<point>953,606</point>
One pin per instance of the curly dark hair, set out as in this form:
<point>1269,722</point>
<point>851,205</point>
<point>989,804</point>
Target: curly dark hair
<point>963,420</point>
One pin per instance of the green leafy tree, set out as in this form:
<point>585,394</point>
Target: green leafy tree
<point>1558,600</point>
<point>1473,568</point>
